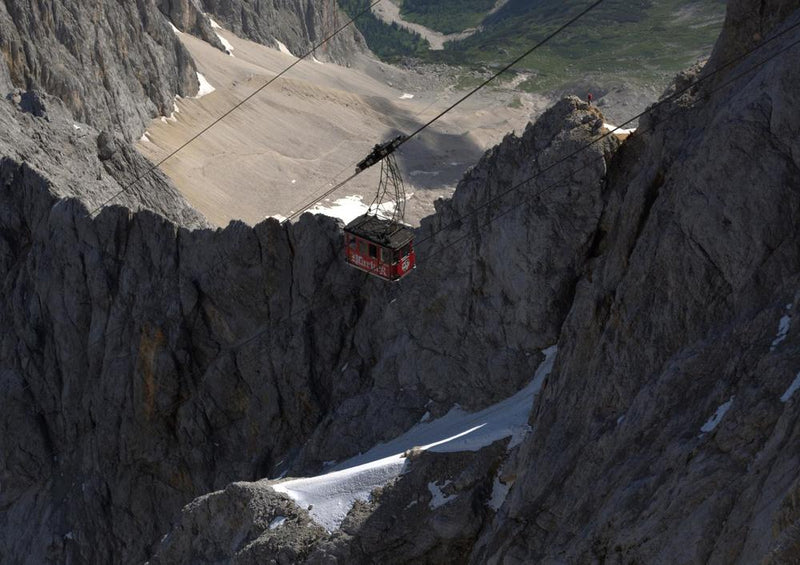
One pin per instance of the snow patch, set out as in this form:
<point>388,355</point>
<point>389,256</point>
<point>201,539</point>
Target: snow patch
<point>317,61</point>
<point>332,495</point>
<point>438,498</point>
<point>712,422</point>
<point>792,389</point>
<point>425,417</point>
<point>205,86</point>
<point>406,96</point>
<point>176,30</point>
<point>618,130</point>
<point>283,49</point>
<point>145,138</point>
<point>499,494</point>
<point>783,331</point>
<point>278,217</point>
<point>76,126</point>
<point>226,44</point>
<point>277,522</point>
<point>214,25</point>
<point>349,208</point>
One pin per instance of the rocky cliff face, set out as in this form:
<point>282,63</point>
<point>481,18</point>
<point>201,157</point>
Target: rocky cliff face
<point>665,432</point>
<point>114,64</point>
<point>145,391</point>
<point>677,319</point>
<point>144,363</point>
<point>299,24</point>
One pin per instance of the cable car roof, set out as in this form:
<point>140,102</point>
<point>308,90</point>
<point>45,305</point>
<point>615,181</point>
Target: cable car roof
<point>383,232</point>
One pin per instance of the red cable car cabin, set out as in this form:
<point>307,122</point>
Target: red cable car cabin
<point>383,248</point>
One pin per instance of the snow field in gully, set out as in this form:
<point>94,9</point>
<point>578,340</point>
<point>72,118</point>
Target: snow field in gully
<point>332,495</point>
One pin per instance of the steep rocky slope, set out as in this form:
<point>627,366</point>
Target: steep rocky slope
<point>144,363</point>
<point>114,64</point>
<point>299,24</point>
<point>666,432</point>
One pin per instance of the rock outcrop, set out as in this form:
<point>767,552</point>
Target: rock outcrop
<point>184,360</point>
<point>697,266</point>
<point>188,16</point>
<point>299,24</point>
<point>115,65</point>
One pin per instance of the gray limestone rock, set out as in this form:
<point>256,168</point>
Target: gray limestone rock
<point>115,65</point>
<point>188,16</point>
<point>297,23</point>
<point>106,146</point>
<point>250,524</point>
<point>697,263</point>
<point>144,363</point>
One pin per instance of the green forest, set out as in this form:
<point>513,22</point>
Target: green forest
<point>446,16</point>
<point>389,42</point>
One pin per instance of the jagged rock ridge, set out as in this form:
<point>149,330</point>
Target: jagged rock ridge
<point>144,364</point>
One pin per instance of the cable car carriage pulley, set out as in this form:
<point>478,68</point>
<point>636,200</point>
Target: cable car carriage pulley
<point>382,246</point>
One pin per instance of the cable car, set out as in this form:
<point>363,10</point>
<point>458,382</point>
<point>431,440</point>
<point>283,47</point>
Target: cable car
<point>382,246</point>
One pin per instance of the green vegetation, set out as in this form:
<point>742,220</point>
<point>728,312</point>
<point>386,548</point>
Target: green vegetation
<point>640,39</point>
<point>389,42</point>
<point>633,41</point>
<point>446,16</point>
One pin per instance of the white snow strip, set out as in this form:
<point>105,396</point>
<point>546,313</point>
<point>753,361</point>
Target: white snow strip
<point>425,417</point>
<point>176,30</point>
<point>349,208</point>
<point>76,126</point>
<point>317,61</point>
<point>792,389</point>
<point>145,137</point>
<point>783,331</point>
<point>283,49</point>
<point>205,86</point>
<point>499,494</point>
<point>214,25</point>
<point>277,522</point>
<point>406,96</point>
<point>712,422</point>
<point>226,44</point>
<point>278,217</point>
<point>332,495</point>
<point>438,498</point>
<point>612,127</point>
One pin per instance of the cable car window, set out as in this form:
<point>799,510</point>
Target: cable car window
<point>405,250</point>
<point>373,250</point>
<point>362,247</point>
<point>386,255</point>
